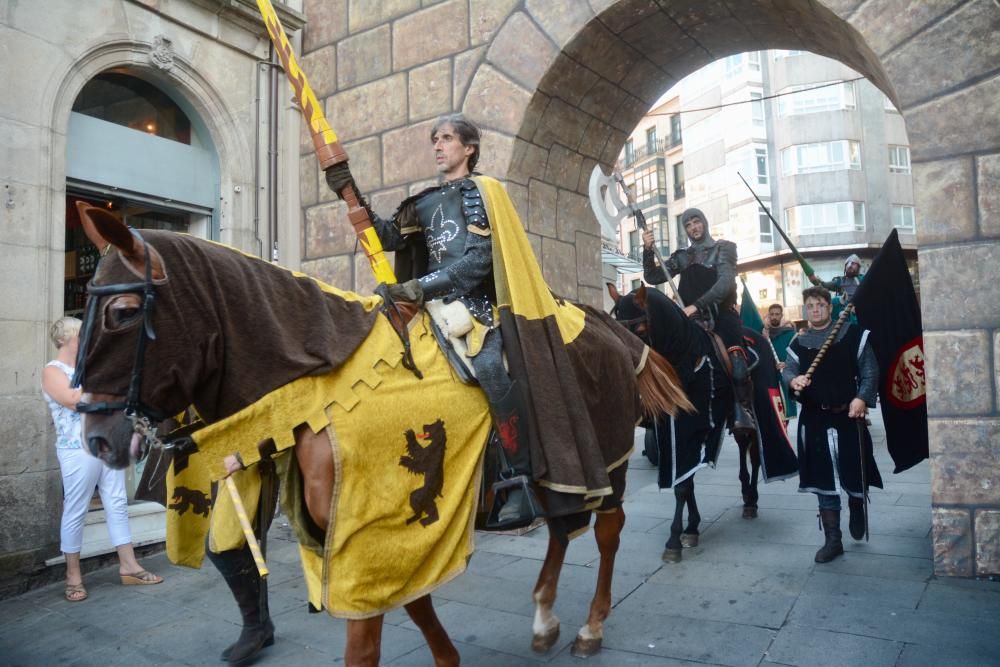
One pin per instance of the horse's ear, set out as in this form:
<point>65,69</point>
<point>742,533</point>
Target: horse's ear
<point>613,292</point>
<point>640,296</point>
<point>104,229</point>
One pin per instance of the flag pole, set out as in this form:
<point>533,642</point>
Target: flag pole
<point>791,246</point>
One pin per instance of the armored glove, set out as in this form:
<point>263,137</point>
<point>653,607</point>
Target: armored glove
<point>409,292</point>
<point>339,177</point>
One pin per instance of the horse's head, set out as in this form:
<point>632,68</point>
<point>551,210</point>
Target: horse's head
<point>120,361</point>
<point>630,310</point>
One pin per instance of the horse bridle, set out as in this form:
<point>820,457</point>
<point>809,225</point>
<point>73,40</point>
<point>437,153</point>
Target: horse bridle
<point>632,323</point>
<point>144,418</point>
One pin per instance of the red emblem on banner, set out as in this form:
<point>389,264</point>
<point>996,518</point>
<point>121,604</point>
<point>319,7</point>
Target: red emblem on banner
<point>906,384</point>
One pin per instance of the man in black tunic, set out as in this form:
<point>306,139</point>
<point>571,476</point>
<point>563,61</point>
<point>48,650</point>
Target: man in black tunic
<point>708,287</point>
<point>834,399</point>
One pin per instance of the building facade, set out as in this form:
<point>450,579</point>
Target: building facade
<point>822,147</point>
<point>173,116</point>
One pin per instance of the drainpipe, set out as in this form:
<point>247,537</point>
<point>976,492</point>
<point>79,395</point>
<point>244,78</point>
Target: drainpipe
<point>272,66</point>
<point>272,152</point>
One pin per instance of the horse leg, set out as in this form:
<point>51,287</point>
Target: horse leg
<point>545,627</point>
<point>421,611</point>
<point>315,459</point>
<point>607,530</point>
<point>749,449</point>
<point>672,552</point>
<point>754,450</point>
<point>689,538</point>
<point>364,642</point>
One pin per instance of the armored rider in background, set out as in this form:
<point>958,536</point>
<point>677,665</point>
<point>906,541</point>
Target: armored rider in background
<point>444,251</point>
<point>708,287</point>
<point>842,286</point>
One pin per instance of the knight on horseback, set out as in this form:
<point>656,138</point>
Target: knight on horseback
<point>707,268</point>
<point>444,251</point>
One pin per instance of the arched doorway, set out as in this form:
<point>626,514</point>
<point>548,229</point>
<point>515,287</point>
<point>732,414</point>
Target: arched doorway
<point>138,149</point>
<point>562,84</point>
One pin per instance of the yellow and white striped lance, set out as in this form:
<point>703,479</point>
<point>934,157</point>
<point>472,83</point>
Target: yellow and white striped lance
<point>241,513</point>
<point>328,148</point>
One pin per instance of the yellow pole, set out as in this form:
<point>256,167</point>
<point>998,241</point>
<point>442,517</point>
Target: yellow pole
<point>328,149</point>
<point>241,513</point>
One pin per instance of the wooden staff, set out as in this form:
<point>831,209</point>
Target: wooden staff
<point>328,149</point>
<point>828,342</point>
<point>241,514</point>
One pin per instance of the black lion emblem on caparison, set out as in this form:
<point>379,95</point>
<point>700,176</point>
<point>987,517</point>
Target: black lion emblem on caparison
<point>429,462</point>
<point>185,499</point>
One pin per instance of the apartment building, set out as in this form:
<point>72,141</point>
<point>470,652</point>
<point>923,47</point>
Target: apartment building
<point>823,149</point>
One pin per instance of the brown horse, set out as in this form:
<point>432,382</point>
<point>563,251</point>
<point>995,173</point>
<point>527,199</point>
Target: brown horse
<point>167,326</point>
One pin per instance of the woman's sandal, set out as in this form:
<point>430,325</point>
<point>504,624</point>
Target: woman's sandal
<point>140,578</point>
<point>75,592</point>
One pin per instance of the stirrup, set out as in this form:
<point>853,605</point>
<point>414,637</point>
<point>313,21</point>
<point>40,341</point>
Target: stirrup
<point>519,490</point>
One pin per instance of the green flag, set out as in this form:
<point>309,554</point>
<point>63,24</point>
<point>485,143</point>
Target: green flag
<point>748,311</point>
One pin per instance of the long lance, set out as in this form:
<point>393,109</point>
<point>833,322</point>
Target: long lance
<point>328,148</point>
<point>862,428</point>
<point>640,219</point>
<point>791,246</point>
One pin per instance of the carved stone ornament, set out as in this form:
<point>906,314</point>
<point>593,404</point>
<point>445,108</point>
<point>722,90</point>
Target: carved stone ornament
<point>162,54</point>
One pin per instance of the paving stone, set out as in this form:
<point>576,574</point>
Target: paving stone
<point>807,646</point>
<point>882,566</point>
<point>736,577</point>
<point>614,658</point>
<point>934,656</point>
<point>973,601</point>
<point>471,655</point>
<point>745,607</point>
<point>861,589</point>
<point>962,633</point>
<point>679,637</point>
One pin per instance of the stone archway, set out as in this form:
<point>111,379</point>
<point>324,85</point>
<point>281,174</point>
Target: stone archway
<point>557,85</point>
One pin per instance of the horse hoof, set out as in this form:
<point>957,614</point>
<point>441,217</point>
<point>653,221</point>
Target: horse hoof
<point>542,643</point>
<point>689,540</point>
<point>749,512</point>
<point>671,555</point>
<point>584,648</point>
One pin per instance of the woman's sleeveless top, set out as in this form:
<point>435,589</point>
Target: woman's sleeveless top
<point>67,420</point>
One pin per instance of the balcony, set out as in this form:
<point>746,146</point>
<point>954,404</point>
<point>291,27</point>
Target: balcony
<point>644,151</point>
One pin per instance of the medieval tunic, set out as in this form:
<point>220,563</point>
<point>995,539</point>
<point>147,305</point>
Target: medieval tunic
<point>828,444</point>
<point>562,352</point>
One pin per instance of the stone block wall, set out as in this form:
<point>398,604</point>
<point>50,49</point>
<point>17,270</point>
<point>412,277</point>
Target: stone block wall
<point>557,85</point>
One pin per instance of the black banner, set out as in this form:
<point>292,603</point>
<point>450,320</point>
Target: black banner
<point>886,305</point>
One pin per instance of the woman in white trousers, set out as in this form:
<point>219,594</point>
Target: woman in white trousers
<point>81,472</point>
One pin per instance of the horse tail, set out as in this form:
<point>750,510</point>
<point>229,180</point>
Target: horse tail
<point>660,388</point>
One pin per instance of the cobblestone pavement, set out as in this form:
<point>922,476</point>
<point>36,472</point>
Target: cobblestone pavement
<point>749,594</point>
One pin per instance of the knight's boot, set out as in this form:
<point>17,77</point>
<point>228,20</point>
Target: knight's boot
<point>856,524</point>
<point>743,417</point>
<point>250,591</point>
<point>515,504</point>
<point>830,520</point>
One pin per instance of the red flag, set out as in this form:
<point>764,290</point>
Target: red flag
<point>886,305</point>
